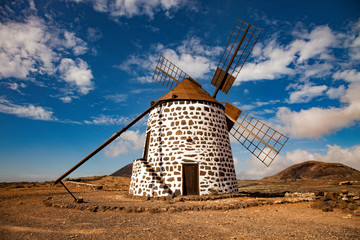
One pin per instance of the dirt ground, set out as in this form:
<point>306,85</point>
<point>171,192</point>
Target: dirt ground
<point>26,214</point>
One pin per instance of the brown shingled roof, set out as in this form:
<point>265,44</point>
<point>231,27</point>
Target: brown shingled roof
<point>188,89</point>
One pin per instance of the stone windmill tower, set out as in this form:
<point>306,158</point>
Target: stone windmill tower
<point>187,149</point>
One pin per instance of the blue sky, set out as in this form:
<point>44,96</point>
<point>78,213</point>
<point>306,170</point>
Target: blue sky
<point>72,73</point>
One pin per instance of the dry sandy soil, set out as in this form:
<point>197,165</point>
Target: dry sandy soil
<point>36,211</point>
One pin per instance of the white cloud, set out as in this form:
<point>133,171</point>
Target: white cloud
<point>108,120</point>
<point>274,60</point>
<point>66,99</point>
<point>129,9</point>
<point>117,97</point>
<point>127,142</point>
<point>193,57</point>
<point>348,156</point>
<point>28,111</point>
<point>135,65</point>
<point>335,154</point>
<point>16,86</point>
<point>318,70</point>
<point>236,160</point>
<point>257,170</point>
<point>143,90</point>
<point>194,45</point>
<point>77,74</point>
<point>25,49</point>
<point>315,43</point>
<point>76,44</point>
<point>352,41</point>
<point>32,5</point>
<point>348,75</point>
<point>316,122</point>
<point>256,104</point>
<point>33,48</point>
<point>335,93</point>
<point>305,93</point>
<point>196,66</point>
<point>94,34</point>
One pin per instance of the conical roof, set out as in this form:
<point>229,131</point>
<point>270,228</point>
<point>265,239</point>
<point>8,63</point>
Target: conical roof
<point>188,89</point>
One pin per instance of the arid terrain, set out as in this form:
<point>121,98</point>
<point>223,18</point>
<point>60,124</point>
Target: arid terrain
<point>261,211</point>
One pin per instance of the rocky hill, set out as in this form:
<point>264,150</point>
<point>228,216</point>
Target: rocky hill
<point>123,172</point>
<point>314,170</point>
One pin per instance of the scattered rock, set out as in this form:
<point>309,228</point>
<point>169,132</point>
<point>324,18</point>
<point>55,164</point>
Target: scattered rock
<point>343,200</point>
<point>327,209</point>
<point>331,196</point>
<point>154,210</point>
<point>319,194</point>
<point>129,209</point>
<point>94,209</point>
<point>344,191</point>
<point>345,183</point>
<point>357,213</point>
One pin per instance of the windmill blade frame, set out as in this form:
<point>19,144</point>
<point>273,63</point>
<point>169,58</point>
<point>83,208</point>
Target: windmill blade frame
<point>261,140</point>
<point>168,74</point>
<point>238,48</point>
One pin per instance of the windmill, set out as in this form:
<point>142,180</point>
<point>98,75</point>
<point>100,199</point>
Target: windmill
<point>187,148</point>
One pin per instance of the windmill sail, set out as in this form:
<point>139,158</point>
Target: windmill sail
<point>240,44</point>
<point>168,74</point>
<point>261,140</point>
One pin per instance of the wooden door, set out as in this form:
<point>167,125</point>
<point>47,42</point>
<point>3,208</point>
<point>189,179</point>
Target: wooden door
<point>190,176</point>
<point>147,142</point>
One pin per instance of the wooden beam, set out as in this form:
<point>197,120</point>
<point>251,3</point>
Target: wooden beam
<point>167,74</point>
<point>252,134</point>
<point>116,135</point>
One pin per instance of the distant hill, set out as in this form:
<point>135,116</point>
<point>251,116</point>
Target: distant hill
<point>312,170</point>
<point>124,172</point>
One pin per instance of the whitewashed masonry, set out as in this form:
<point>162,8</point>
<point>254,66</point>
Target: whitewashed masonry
<point>184,132</point>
